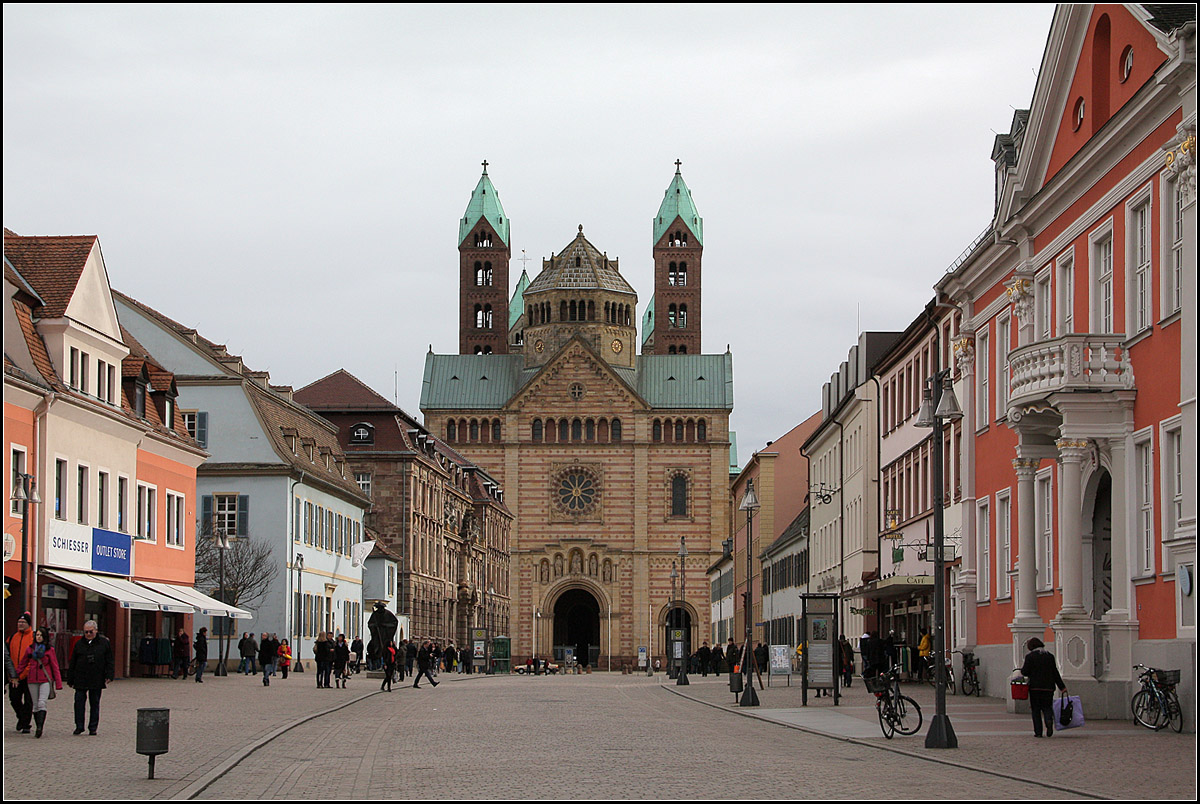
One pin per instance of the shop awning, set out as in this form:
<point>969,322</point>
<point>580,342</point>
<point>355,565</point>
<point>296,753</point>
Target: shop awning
<point>126,593</point>
<point>202,603</point>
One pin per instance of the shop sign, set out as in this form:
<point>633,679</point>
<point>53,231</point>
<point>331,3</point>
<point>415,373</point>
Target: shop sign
<point>89,549</point>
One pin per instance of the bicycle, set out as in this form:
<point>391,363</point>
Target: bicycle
<point>897,713</point>
<point>931,673</point>
<point>970,677</point>
<point>1156,704</point>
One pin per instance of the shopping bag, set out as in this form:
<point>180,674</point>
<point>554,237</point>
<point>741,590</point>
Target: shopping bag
<point>1068,712</point>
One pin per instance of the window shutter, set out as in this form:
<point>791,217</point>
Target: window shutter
<point>202,429</point>
<point>206,513</point>
<point>243,519</point>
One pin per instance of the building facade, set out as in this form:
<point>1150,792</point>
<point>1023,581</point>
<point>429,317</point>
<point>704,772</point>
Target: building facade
<point>1078,344</point>
<point>608,458</point>
<point>443,516</point>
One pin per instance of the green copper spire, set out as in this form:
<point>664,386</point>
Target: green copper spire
<point>485,203</point>
<point>516,305</point>
<point>678,203</point>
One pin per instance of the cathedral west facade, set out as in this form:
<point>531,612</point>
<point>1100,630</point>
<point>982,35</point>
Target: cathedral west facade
<point>611,458</point>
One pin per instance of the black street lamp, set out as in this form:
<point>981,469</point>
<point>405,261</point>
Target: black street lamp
<point>298,666</point>
<point>939,393</point>
<point>681,679</point>
<point>25,493</point>
<point>672,667</point>
<point>750,504</point>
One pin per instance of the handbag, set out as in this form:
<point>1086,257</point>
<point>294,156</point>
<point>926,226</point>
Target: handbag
<point>1068,711</point>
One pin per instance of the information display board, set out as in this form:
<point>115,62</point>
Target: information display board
<point>820,628</point>
<point>781,660</point>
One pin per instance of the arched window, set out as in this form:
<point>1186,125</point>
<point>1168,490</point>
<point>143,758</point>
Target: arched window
<point>672,269</point>
<point>564,433</point>
<point>679,495</point>
<point>701,431</point>
<point>602,430</point>
<point>451,431</point>
<point>691,431</point>
<point>576,430</point>
<point>479,316</point>
<point>591,308</point>
<point>616,430</point>
<point>671,315</point>
<point>679,430</point>
<point>589,430</point>
<point>683,350</point>
<point>670,350</point>
<point>495,430</point>
<point>683,316</point>
<point>572,309</point>
<point>658,430</point>
<point>562,310</point>
<point>537,430</point>
<point>474,429</point>
<point>681,274</point>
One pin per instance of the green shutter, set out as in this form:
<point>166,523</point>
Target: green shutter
<point>206,513</point>
<point>243,519</point>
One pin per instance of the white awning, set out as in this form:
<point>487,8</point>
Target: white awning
<point>202,603</point>
<point>126,593</point>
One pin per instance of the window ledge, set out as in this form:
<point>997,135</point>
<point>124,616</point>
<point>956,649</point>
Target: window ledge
<point>1171,319</point>
<point>1139,337</point>
<point>1143,580</point>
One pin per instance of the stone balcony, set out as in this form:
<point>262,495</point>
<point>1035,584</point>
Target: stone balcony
<point>1087,363</point>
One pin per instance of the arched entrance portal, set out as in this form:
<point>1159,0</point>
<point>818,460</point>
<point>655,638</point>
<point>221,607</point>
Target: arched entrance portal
<point>577,626</point>
<point>677,618</point>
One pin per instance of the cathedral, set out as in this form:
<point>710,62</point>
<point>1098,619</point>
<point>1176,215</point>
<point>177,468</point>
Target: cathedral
<point>615,459</point>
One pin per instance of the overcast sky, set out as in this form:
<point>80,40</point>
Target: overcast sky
<point>289,180</point>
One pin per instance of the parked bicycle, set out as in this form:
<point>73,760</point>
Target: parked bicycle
<point>931,673</point>
<point>897,713</point>
<point>1156,704</point>
<point>970,677</point>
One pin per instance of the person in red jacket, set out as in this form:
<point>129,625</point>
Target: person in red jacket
<point>18,686</point>
<point>41,666</point>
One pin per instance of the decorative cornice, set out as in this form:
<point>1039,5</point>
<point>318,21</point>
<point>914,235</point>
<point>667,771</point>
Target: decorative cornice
<point>964,355</point>
<point>1020,293</point>
<point>1073,450</point>
<point>1025,467</point>
<point>1180,163</point>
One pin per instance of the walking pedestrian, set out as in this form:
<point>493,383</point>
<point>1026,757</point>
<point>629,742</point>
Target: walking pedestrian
<point>714,658</point>
<point>201,646</point>
<point>1042,671</point>
<point>410,655</point>
<point>250,653</point>
<point>284,658</point>
<point>731,655</point>
<point>43,676</point>
<point>341,658</point>
<point>424,659</point>
<point>266,657</point>
<point>450,656</point>
<point>18,684</point>
<point>389,666</point>
<point>91,666</point>
<point>847,653</point>
<point>704,654</point>
<point>925,652</point>
<point>356,647</point>
<point>401,653</point>
<point>323,653</point>
<point>181,654</point>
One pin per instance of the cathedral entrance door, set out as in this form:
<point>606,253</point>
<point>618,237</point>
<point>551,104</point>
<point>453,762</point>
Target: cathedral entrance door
<point>577,626</point>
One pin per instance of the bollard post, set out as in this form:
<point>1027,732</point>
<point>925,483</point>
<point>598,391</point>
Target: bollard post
<point>153,733</point>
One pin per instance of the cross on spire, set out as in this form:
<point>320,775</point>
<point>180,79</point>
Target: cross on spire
<point>677,164</point>
<point>485,167</point>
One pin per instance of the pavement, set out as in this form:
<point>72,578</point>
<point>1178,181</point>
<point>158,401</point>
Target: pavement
<point>625,736</point>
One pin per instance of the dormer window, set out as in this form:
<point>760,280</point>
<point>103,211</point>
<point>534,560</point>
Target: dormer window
<point>169,413</point>
<point>139,398</point>
<point>362,433</point>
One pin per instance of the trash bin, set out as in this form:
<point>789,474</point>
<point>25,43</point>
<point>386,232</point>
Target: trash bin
<point>153,733</point>
<point>735,682</point>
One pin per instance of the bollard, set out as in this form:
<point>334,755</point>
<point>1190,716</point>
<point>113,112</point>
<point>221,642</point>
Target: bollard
<point>153,733</point>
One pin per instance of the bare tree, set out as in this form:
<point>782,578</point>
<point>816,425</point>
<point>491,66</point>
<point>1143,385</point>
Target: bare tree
<point>250,570</point>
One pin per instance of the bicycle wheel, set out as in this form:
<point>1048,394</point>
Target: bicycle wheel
<point>1146,709</point>
<point>1173,714</point>
<point>970,685</point>
<point>950,681</point>
<point>908,715</point>
<point>884,708</point>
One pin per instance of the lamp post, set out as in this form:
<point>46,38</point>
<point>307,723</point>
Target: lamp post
<point>299,620</point>
<point>672,668</point>
<point>681,680</point>
<point>750,504</point>
<point>939,405</point>
<point>25,493</point>
<point>221,539</point>
<point>488,622</point>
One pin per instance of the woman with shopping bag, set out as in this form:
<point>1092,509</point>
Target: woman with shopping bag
<point>1041,670</point>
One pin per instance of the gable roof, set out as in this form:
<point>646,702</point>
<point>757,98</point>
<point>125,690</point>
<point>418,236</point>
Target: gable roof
<point>341,390</point>
<point>51,265</point>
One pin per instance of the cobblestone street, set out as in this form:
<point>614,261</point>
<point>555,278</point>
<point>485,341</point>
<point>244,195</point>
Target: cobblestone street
<point>605,736</point>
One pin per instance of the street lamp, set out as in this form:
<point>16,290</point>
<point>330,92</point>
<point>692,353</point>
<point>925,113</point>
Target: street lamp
<point>299,620</point>
<point>940,393</point>
<point>25,493</point>
<point>750,504</point>
<point>672,667</point>
<point>681,680</point>
<point>221,539</point>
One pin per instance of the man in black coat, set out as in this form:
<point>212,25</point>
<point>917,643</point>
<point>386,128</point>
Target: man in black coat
<point>267,649</point>
<point>1042,672</point>
<point>424,661</point>
<point>91,666</point>
<point>200,645</point>
<point>715,658</point>
<point>704,654</point>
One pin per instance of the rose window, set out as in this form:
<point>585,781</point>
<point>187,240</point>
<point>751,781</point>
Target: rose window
<point>577,491</point>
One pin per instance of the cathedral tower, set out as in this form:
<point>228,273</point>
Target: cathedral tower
<point>483,254</point>
<point>673,317</point>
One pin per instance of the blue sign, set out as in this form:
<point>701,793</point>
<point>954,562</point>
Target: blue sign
<point>112,552</point>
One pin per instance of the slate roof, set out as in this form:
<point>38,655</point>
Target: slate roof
<point>580,266</point>
<point>1169,16</point>
<point>341,390</point>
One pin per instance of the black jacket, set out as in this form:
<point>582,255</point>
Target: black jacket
<point>91,664</point>
<point>201,648</point>
<point>1042,671</point>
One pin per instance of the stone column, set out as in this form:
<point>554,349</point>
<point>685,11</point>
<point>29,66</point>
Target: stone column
<point>965,589</point>
<point>1073,628</point>
<point>1118,627</point>
<point>1027,610</point>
